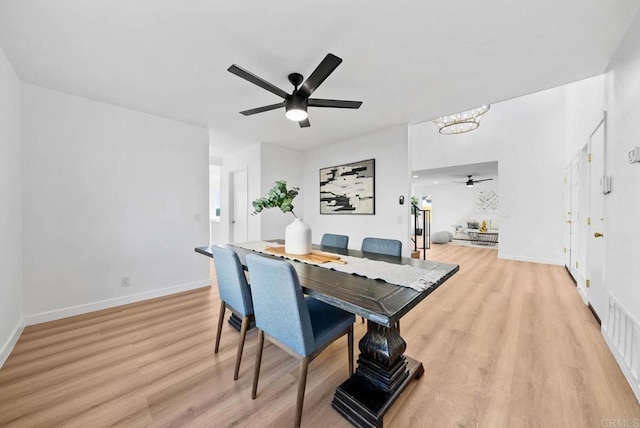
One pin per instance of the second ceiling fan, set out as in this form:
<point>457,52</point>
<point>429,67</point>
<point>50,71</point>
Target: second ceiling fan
<point>470,182</point>
<point>296,102</point>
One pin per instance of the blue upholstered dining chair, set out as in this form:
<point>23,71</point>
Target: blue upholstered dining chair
<point>337,241</point>
<point>234,294</point>
<point>387,247</point>
<point>301,326</point>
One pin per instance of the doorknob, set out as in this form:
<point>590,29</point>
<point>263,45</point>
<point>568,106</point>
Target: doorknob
<point>233,222</point>
<point>598,235</point>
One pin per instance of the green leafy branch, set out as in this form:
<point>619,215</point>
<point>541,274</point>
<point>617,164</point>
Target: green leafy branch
<point>414,203</point>
<point>277,197</point>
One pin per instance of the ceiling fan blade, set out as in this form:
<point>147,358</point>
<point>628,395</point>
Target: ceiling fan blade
<point>262,109</point>
<point>484,179</point>
<point>250,77</point>
<point>316,102</point>
<point>304,123</point>
<point>322,71</point>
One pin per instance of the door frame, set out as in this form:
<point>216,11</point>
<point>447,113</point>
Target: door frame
<point>232,202</point>
<point>597,225</point>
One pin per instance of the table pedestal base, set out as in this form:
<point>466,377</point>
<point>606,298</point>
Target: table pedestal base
<point>363,404</point>
<point>383,373</point>
<point>236,322</point>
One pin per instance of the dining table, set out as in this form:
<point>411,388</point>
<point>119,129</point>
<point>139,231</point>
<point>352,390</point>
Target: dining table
<point>383,370</point>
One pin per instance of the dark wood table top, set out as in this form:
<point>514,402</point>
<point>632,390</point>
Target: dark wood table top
<point>376,300</point>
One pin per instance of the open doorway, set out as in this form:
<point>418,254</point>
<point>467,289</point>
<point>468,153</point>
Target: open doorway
<point>464,203</point>
<point>214,204</point>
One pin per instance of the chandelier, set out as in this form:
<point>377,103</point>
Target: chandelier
<point>461,122</point>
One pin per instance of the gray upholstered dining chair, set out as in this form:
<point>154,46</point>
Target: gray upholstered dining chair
<point>337,241</point>
<point>234,294</point>
<point>301,326</point>
<point>387,247</point>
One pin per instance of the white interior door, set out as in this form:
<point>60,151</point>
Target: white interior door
<point>240,205</point>
<point>596,245</point>
<point>567,217</point>
<point>580,260</point>
<point>574,215</point>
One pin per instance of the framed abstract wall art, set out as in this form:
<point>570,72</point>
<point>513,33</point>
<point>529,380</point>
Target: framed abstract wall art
<point>348,189</point>
<point>487,201</point>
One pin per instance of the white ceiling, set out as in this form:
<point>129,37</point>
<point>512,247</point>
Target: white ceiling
<point>455,174</point>
<point>408,61</point>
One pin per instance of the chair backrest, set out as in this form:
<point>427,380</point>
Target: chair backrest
<point>337,241</point>
<point>387,247</point>
<point>232,284</point>
<point>278,302</point>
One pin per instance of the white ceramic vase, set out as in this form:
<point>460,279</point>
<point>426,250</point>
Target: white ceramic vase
<point>297,238</point>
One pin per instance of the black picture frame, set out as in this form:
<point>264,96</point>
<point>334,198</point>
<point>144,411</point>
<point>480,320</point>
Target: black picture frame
<point>349,188</point>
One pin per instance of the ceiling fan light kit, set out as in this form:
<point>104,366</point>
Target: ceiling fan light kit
<point>460,123</point>
<point>296,114</point>
<point>296,103</point>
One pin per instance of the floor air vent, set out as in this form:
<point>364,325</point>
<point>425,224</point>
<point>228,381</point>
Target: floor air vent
<point>622,333</point>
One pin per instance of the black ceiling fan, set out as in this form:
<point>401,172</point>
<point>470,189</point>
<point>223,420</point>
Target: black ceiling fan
<point>470,182</point>
<point>296,103</point>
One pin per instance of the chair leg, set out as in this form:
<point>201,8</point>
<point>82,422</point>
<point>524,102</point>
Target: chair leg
<point>256,369</point>
<point>243,334</point>
<point>302,384</point>
<point>223,306</point>
<point>350,348</point>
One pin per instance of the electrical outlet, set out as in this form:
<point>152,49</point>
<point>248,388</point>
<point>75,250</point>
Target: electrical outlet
<point>125,281</point>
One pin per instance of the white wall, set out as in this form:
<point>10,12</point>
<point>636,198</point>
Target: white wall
<point>452,203</point>
<point>623,203</point>
<point>390,150</point>
<point>108,192</point>
<point>526,136</point>
<point>249,159</point>
<point>11,176</point>
<point>584,109</point>
<point>265,163</point>
<point>279,163</point>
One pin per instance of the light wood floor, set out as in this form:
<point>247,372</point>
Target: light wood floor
<point>504,344</point>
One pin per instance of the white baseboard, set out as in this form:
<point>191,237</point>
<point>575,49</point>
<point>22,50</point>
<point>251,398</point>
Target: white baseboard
<point>583,294</point>
<point>581,282</point>
<point>580,285</point>
<point>6,349</point>
<point>558,262</point>
<point>111,303</point>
